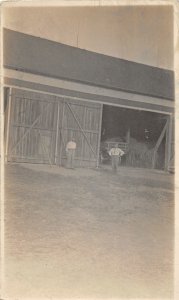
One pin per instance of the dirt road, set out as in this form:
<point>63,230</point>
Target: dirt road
<point>88,233</point>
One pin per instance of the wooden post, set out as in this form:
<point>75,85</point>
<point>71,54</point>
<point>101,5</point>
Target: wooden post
<point>154,159</point>
<point>61,133</point>
<point>128,136</point>
<point>82,142</point>
<point>173,137</point>
<point>8,123</point>
<point>168,143</point>
<point>57,133</point>
<point>158,144</point>
<point>99,136</point>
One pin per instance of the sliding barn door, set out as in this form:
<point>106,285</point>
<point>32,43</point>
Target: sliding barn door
<point>80,120</point>
<point>40,126</point>
<point>32,127</point>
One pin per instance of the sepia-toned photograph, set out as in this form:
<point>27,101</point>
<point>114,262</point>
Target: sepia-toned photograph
<point>88,104</point>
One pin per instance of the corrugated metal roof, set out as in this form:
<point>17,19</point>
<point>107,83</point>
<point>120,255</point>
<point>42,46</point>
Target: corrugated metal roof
<point>40,56</point>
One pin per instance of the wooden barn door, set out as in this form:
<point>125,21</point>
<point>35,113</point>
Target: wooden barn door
<point>32,127</point>
<point>39,127</point>
<point>80,120</point>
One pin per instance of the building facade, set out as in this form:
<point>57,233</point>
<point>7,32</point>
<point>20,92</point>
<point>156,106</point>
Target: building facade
<point>54,92</point>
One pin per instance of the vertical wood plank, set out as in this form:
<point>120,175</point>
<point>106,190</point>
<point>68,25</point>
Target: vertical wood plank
<point>128,136</point>
<point>82,137</point>
<point>99,136</point>
<point>61,133</point>
<point>8,122</point>
<point>158,144</point>
<point>168,143</point>
<point>57,132</point>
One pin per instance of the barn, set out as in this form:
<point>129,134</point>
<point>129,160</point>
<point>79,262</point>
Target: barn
<point>54,92</point>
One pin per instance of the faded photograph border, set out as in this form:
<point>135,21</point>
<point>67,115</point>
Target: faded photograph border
<point>175,5</point>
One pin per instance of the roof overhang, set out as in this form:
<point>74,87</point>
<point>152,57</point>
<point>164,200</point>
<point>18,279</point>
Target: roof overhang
<point>74,90</point>
<point>54,61</point>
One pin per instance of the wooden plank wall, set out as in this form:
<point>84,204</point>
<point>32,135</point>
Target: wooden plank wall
<point>29,108</point>
<point>41,125</point>
<point>85,129</point>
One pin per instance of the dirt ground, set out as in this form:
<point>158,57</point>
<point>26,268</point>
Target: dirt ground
<point>88,233</point>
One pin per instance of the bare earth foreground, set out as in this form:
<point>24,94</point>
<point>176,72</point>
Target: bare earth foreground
<point>88,233</point>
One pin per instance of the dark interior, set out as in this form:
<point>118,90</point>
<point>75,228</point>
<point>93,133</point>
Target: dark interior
<point>144,126</point>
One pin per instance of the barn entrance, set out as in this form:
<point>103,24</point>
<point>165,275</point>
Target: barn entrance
<point>142,135</point>
<point>38,127</point>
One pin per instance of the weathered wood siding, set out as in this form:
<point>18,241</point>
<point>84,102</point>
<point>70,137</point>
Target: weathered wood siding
<point>32,127</point>
<point>41,125</point>
<point>81,121</point>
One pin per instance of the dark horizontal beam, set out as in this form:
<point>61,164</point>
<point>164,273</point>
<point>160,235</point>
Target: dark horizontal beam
<point>60,92</point>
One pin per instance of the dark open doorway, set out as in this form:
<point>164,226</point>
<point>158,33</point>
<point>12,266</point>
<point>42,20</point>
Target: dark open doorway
<point>137,132</point>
